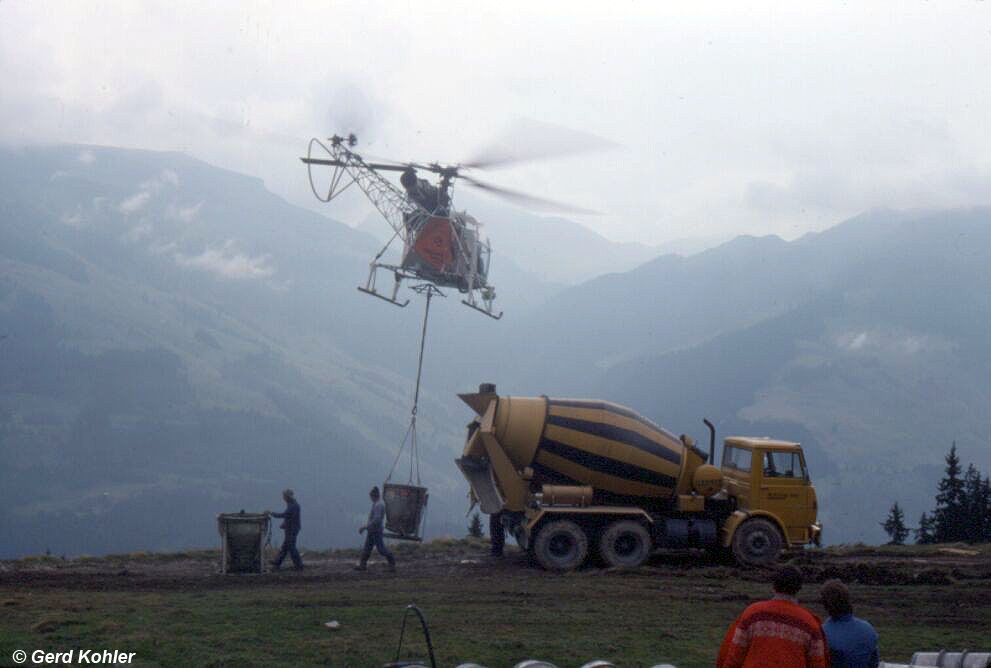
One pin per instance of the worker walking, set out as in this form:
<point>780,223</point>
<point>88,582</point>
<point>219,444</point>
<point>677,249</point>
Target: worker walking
<point>777,632</point>
<point>291,526</point>
<point>852,641</point>
<point>374,528</point>
<point>497,534</point>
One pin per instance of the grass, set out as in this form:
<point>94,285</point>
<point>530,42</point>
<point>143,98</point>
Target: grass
<point>496,617</point>
<point>494,620</point>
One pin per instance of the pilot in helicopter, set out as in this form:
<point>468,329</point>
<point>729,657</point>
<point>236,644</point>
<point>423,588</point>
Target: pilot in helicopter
<point>430,197</point>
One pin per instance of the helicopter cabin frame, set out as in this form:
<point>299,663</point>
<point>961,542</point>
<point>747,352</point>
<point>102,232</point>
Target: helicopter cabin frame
<point>443,247</point>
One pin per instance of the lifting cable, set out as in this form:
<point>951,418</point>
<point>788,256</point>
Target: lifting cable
<point>410,437</point>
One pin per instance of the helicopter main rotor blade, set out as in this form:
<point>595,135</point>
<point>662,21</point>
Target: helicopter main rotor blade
<point>529,201</point>
<point>373,165</point>
<point>320,161</point>
<point>387,168</point>
<point>528,140</point>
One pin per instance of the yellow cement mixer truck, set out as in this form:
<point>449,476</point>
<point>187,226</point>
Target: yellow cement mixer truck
<point>571,478</point>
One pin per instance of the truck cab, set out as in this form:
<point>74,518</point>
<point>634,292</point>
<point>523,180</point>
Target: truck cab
<point>769,480</point>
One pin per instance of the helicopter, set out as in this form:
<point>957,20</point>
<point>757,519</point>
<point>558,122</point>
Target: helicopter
<point>441,246</point>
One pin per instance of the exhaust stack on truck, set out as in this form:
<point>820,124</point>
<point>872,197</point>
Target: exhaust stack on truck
<point>569,476</point>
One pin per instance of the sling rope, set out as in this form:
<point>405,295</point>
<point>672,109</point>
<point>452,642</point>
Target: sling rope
<point>410,437</point>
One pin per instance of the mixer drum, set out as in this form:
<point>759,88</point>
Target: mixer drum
<point>607,446</point>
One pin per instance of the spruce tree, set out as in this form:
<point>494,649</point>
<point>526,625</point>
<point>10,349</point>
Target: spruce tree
<point>894,526</point>
<point>986,504</point>
<point>974,509</point>
<point>950,514</point>
<point>925,534</point>
<point>979,503</point>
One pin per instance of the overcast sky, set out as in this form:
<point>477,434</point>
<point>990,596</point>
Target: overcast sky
<point>740,117</point>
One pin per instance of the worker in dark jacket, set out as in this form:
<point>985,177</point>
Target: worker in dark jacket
<point>497,534</point>
<point>291,526</point>
<point>374,528</point>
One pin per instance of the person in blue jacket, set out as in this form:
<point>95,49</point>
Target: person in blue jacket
<point>852,642</point>
<point>291,525</point>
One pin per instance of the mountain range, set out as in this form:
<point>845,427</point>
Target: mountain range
<point>175,341</point>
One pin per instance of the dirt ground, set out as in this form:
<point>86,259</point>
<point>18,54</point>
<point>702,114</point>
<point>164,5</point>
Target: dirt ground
<point>942,565</point>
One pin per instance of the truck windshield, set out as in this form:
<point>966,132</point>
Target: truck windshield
<point>784,465</point>
<point>736,458</point>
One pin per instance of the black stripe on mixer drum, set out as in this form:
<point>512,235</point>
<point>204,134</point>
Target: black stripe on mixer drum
<point>547,475</point>
<point>611,408</point>
<point>607,465</point>
<point>603,430</point>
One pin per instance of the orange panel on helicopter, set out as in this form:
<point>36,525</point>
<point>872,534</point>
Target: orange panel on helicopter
<point>434,244</point>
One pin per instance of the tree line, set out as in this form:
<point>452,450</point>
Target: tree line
<point>962,513</point>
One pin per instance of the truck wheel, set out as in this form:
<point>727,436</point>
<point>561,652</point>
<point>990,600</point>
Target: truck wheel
<point>757,542</point>
<point>625,543</point>
<point>561,546</point>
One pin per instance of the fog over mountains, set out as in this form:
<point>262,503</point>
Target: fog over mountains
<point>178,342</point>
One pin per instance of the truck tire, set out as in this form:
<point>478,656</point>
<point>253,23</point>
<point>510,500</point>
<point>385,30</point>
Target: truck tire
<point>757,542</point>
<point>625,543</point>
<point>561,546</point>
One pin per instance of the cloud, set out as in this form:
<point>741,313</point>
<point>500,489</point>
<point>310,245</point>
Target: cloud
<point>853,340</point>
<point>899,343</point>
<point>139,232</point>
<point>86,157</point>
<point>228,262</point>
<point>728,127</point>
<point>74,219</point>
<point>134,202</point>
<point>161,248</point>
<point>166,177</point>
<point>189,213</point>
<point>170,177</point>
<point>854,164</point>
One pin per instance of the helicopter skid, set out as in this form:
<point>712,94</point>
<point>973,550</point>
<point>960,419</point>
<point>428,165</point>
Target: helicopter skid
<point>394,302</point>
<point>481,310</point>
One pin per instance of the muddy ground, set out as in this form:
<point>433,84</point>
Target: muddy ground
<point>942,565</point>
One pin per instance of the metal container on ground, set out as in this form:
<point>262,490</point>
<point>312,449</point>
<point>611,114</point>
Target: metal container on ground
<point>242,541</point>
<point>405,506</point>
<point>945,659</point>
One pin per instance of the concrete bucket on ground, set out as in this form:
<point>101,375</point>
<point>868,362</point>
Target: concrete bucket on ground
<point>242,541</point>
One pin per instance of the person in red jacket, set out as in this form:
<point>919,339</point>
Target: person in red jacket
<point>777,633</point>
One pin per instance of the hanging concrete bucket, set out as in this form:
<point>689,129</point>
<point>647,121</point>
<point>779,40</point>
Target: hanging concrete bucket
<point>242,541</point>
<point>405,506</point>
